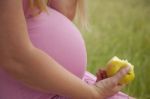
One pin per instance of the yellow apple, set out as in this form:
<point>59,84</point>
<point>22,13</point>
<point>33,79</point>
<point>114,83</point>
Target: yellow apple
<point>116,64</point>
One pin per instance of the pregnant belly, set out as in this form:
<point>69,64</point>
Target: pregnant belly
<point>59,38</point>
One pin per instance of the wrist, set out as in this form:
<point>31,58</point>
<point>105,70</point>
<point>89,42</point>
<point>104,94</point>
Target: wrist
<point>95,92</point>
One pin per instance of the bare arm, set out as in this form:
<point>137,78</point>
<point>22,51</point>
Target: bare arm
<point>28,64</point>
<point>66,7</point>
<point>35,68</point>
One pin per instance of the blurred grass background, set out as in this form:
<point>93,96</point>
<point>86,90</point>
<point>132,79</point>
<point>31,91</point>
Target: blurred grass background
<point>121,28</point>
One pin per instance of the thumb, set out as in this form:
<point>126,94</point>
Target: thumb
<point>121,73</point>
<point>112,82</point>
<point>118,88</point>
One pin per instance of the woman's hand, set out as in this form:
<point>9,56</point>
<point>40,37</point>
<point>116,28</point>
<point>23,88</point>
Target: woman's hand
<point>66,7</point>
<point>109,86</point>
<point>101,74</point>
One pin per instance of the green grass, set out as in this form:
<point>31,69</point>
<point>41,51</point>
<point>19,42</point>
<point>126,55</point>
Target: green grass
<point>121,28</point>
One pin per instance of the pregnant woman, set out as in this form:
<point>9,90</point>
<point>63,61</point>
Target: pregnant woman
<point>43,56</point>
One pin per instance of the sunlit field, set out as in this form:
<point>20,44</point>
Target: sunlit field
<point>121,28</point>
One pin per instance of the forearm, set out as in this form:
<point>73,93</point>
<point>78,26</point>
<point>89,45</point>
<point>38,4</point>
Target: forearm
<point>38,70</point>
<point>66,7</point>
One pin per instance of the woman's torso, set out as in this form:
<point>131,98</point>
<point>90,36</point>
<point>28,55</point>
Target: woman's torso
<point>59,38</point>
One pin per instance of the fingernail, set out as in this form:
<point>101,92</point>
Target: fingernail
<point>128,68</point>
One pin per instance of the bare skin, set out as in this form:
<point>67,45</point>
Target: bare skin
<point>101,75</point>
<point>66,7</point>
<point>36,69</point>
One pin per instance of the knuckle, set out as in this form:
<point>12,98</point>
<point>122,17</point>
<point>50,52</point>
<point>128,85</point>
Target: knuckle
<point>113,81</point>
<point>123,72</point>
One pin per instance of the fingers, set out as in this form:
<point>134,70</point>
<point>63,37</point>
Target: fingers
<point>99,77</point>
<point>112,82</point>
<point>121,73</point>
<point>107,88</point>
<point>110,85</point>
<point>101,74</point>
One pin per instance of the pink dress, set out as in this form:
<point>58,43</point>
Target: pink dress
<point>58,37</point>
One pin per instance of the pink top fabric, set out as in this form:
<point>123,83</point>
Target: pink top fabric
<point>58,37</point>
